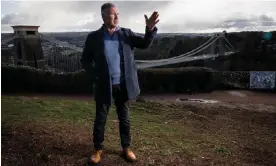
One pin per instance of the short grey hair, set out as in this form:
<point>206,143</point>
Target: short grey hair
<point>107,6</point>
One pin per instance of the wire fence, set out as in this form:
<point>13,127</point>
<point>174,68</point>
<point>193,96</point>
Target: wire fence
<point>65,61</point>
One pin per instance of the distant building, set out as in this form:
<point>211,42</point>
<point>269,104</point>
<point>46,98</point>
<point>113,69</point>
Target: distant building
<point>27,46</point>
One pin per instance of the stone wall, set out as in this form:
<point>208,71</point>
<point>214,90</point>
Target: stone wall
<point>262,80</point>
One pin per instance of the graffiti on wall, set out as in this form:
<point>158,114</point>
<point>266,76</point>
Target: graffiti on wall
<point>262,80</point>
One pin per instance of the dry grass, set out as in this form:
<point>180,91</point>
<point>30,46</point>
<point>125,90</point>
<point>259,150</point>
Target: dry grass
<point>59,132</point>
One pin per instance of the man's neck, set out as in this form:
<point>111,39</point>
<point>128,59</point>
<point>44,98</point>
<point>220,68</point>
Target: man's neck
<point>111,30</point>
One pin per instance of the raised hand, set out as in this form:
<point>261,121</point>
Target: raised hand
<point>152,21</point>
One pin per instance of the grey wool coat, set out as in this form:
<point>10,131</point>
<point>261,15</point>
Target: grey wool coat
<point>94,62</point>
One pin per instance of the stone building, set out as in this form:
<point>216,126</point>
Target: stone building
<point>27,46</point>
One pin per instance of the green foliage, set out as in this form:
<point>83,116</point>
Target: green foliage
<point>27,79</point>
<point>175,79</point>
<point>170,80</point>
<point>232,79</point>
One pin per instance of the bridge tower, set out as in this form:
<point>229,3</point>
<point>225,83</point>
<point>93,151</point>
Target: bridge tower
<point>221,43</point>
<point>27,46</point>
<point>218,46</point>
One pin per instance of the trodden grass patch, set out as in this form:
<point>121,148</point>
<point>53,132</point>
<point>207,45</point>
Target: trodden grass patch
<point>40,131</point>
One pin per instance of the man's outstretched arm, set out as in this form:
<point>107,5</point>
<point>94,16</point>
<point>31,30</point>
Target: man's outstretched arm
<point>140,41</point>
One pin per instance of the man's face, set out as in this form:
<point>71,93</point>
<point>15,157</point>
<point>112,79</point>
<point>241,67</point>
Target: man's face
<point>111,17</point>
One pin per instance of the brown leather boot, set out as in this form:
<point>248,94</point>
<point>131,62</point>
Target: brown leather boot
<point>96,156</point>
<point>129,155</point>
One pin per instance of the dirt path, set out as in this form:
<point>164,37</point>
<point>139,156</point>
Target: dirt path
<point>224,96</point>
<point>244,97</point>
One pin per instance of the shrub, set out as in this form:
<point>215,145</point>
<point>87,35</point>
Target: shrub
<point>232,79</point>
<point>175,79</point>
<point>170,80</point>
<point>27,79</point>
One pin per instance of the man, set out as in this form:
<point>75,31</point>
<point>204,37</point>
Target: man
<point>114,73</point>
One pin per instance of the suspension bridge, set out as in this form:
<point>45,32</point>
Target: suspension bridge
<point>217,45</point>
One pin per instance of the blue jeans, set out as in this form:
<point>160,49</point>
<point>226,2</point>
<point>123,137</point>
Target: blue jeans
<point>122,108</point>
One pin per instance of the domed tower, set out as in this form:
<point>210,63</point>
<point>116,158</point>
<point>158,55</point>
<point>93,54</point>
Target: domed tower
<point>27,46</point>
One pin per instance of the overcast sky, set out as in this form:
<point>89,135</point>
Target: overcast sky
<point>186,16</point>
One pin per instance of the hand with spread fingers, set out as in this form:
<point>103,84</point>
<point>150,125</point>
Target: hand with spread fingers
<point>152,21</point>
